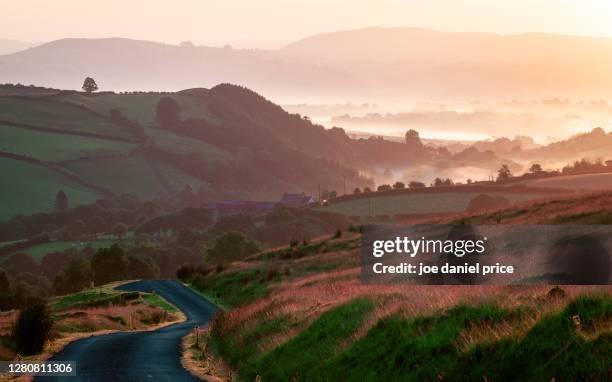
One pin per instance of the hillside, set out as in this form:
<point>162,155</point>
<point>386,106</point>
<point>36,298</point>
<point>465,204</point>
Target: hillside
<point>228,143</point>
<point>231,144</point>
<point>307,307</point>
<point>117,64</point>
<point>8,46</point>
<point>398,64</point>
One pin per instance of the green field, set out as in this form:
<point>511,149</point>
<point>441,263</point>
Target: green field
<point>27,188</point>
<point>55,147</point>
<point>56,115</point>
<point>135,175</point>
<point>575,182</point>
<point>419,203</point>
<point>173,142</point>
<point>37,252</point>
<point>139,107</point>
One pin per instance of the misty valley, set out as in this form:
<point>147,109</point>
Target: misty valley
<point>198,212</point>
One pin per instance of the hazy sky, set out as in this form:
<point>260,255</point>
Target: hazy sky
<point>272,22</point>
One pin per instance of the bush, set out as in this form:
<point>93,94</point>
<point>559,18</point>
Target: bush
<point>185,272</point>
<point>32,328</point>
<point>232,246</point>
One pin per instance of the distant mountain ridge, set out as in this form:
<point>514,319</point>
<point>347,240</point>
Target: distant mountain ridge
<point>388,63</point>
<point>8,46</point>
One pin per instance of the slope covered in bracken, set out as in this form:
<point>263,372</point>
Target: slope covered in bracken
<point>302,312</point>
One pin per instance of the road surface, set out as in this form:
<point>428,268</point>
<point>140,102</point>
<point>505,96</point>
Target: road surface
<point>139,356</point>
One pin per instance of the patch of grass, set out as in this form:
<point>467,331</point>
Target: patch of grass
<point>587,218</point>
<point>234,289</point>
<point>136,175</point>
<point>418,203</point>
<point>301,356</point>
<point>37,252</point>
<point>29,188</point>
<point>302,250</point>
<point>57,115</point>
<point>157,301</point>
<point>427,348</point>
<point>242,348</point>
<point>416,349</point>
<point>92,297</point>
<point>56,147</point>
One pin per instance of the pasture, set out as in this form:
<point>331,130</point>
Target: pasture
<point>140,107</point>
<point>56,115</point>
<point>27,188</point>
<point>588,182</point>
<point>37,252</point>
<point>47,146</point>
<point>135,175</point>
<point>420,203</point>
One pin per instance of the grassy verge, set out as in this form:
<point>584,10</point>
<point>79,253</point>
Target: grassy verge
<point>231,289</point>
<point>574,343</point>
<point>156,300</point>
<point>314,345</point>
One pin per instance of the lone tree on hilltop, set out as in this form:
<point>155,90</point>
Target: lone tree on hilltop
<point>535,168</point>
<point>61,201</point>
<point>167,113</point>
<point>89,85</point>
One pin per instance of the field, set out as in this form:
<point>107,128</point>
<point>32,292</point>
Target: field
<point>28,188</point>
<point>134,175</point>
<point>419,203</point>
<point>56,115</point>
<point>55,147</point>
<point>172,141</point>
<point>590,182</point>
<point>139,107</point>
<point>303,312</point>
<point>292,318</point>
<point>37,252</point>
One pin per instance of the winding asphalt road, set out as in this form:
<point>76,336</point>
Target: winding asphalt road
<point>139,356</point>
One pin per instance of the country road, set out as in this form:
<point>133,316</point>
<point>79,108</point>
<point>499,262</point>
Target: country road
<point>139,356</point>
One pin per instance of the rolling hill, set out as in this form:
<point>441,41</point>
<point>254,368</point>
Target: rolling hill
<point>232,143</point>
<point>371,63</point>
<point>305,311</point>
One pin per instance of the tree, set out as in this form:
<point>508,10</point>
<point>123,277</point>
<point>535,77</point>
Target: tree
<point>32,328</point>
<point>535,168</point>
<point>89,85</point>
<point>5,284</point>
<point>74,278</point>
<point>120,230</point>
<point>232,246</point>
<point>367,190</point>
<point>438,182</point>
<point>357,191</point>
<point>142,267</point>
<point>61,201</point>
<point>167,113</point>
<point>384,187</point>
<point>504,173</point>
<point>399,185</point>
<point>415,184</point>
<point>412,138</point>
<point>109,264</point>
